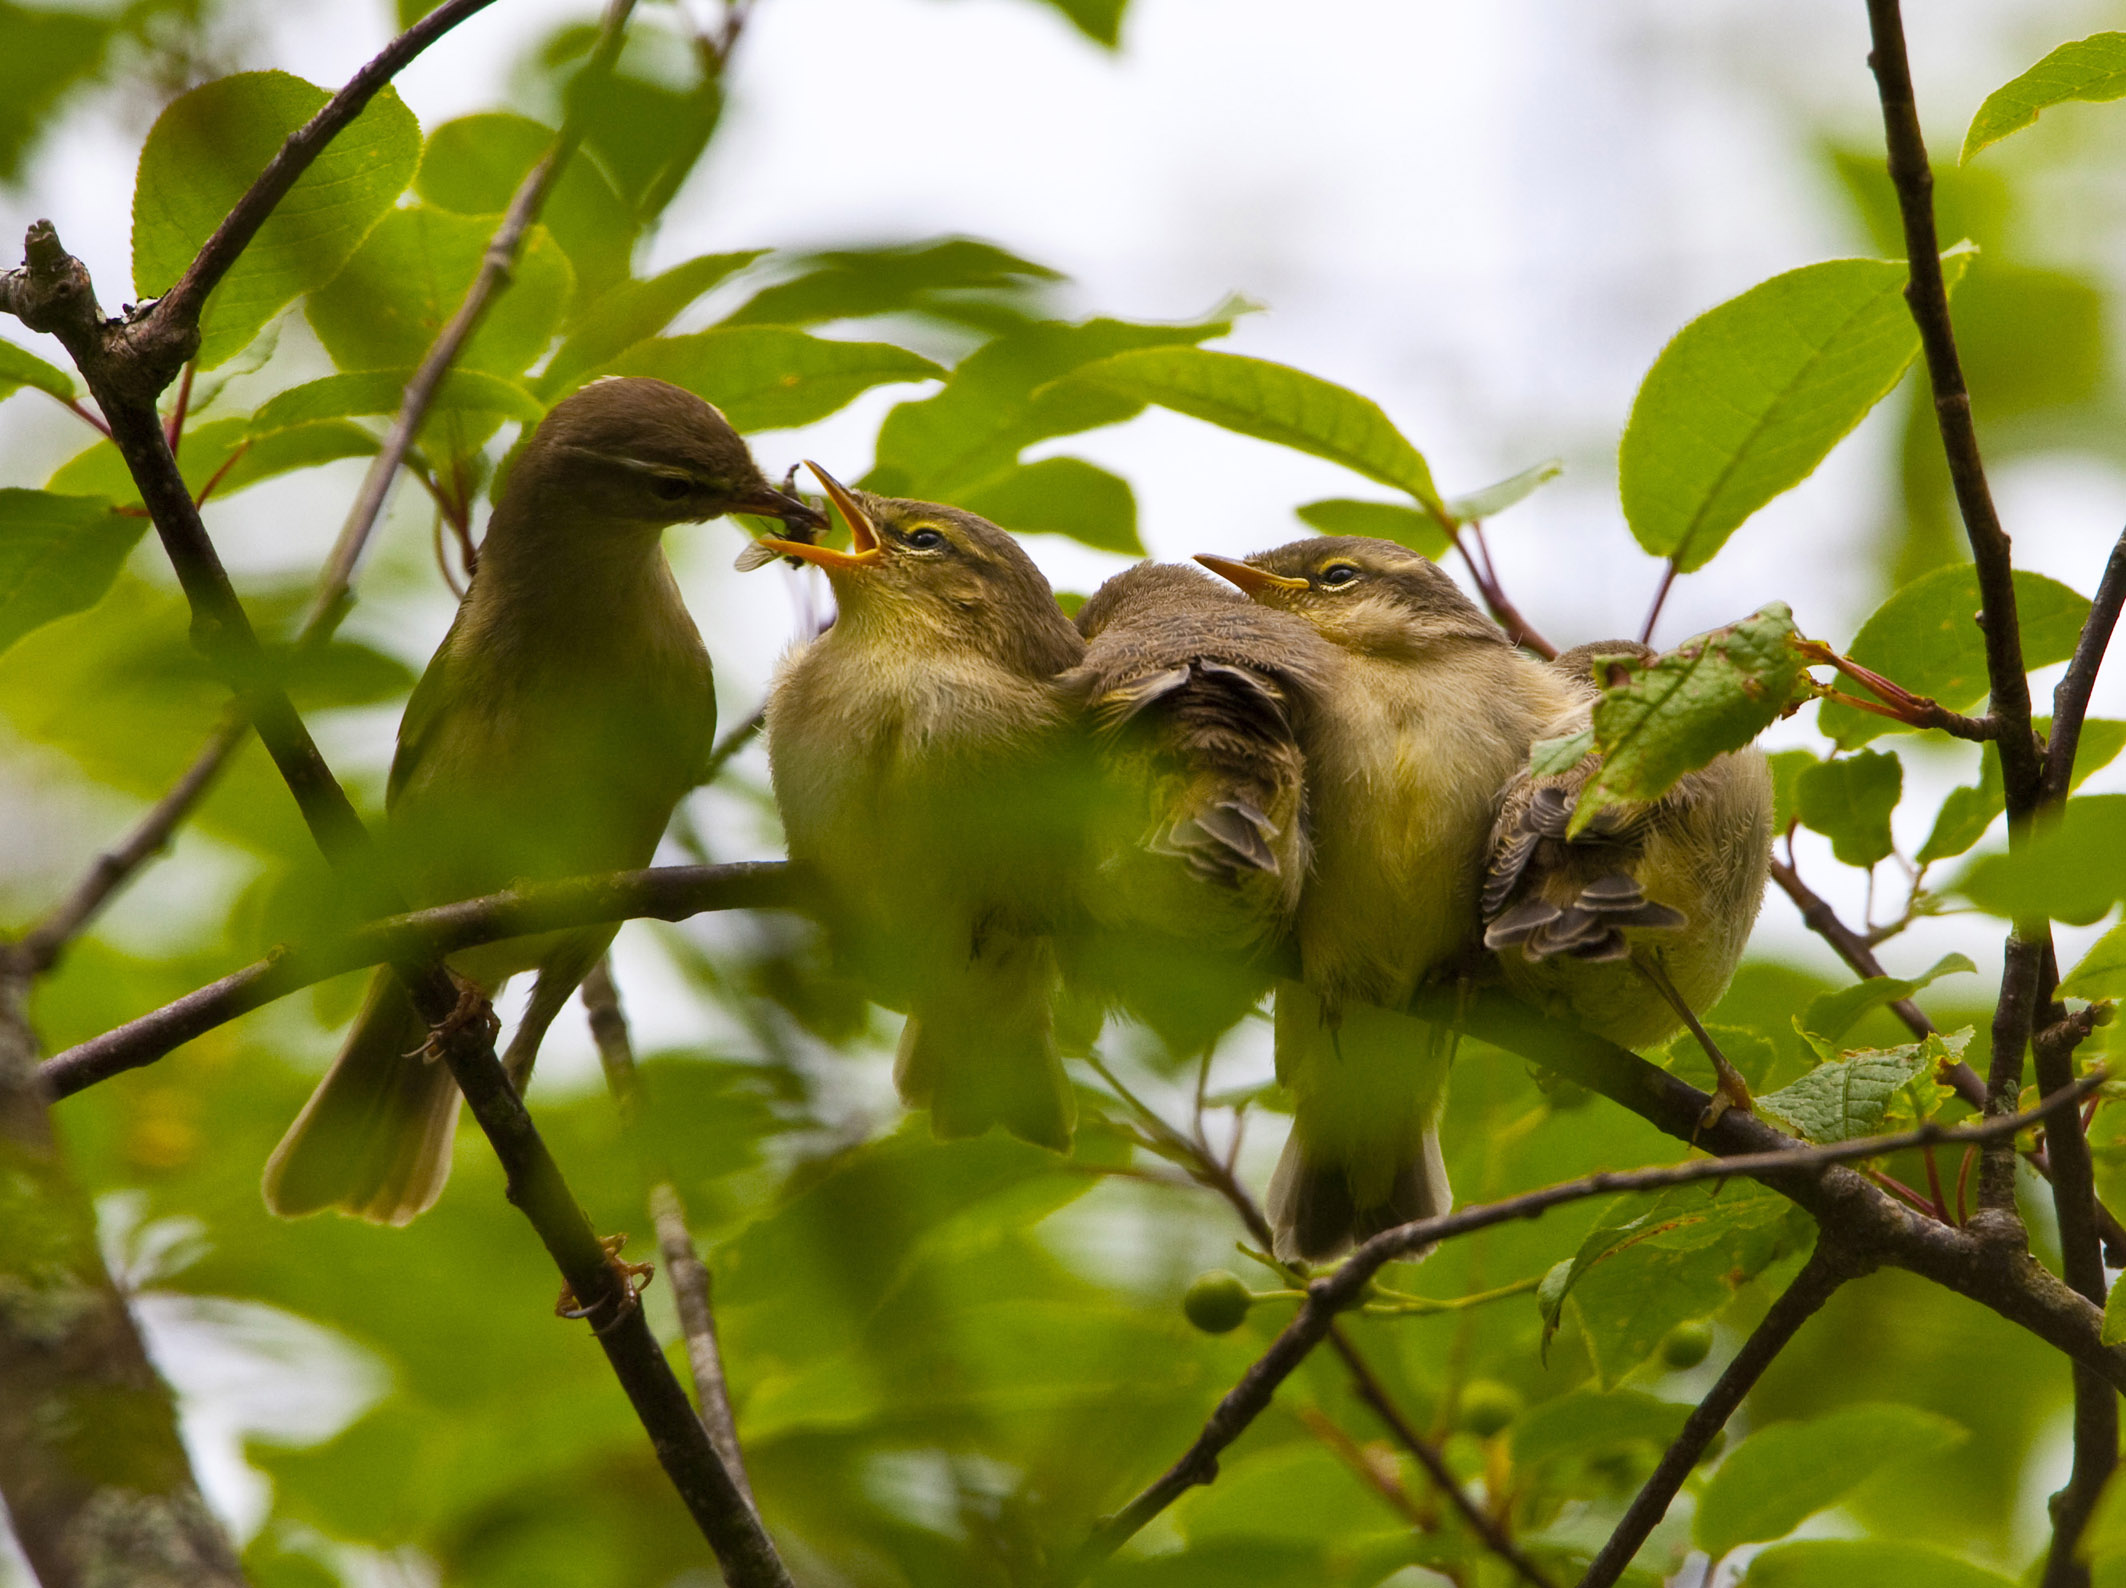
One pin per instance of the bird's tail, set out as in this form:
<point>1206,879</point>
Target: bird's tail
<point>979,1048</point>
<point>1364,1153</point>
<point>374,1139</point>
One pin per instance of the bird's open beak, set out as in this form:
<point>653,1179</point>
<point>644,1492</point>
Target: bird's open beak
<point>1250,578</point>
<point>864,548</point>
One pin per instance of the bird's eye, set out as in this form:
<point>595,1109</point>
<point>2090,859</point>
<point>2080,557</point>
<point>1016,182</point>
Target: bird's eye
<point>1338,573</point>
<point>923,540</point>
<point>670,487</point>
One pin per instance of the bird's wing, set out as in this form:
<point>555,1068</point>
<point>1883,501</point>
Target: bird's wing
<point>1552,894</point>
<point>424,711</point>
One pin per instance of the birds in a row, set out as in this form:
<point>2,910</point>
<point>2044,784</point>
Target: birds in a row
<point>1313,774</point>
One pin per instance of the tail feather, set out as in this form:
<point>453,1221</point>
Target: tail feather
<point>980,1050</point>
<point>374,1140</point>
<point>1316,1212</point>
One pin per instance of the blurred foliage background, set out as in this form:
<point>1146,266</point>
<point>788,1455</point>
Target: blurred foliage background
<point>948,1359</point>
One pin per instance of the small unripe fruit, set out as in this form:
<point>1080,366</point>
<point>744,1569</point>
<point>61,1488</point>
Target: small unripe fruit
<point>1217,1302</point>
<point>1687,1344</point>
<point>1487,1407</point>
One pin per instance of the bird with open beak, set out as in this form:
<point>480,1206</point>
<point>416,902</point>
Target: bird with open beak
<point>1195,697</point>
<point>568,710</point>
<point>1637,922</point>
<point>1429,713</point>
<point>923,759</point>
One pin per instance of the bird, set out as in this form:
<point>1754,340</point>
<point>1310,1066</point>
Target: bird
<point>1428,714</point>
<point>923,758</point>
<point>1634,924</point>
<point>1194,697</point>
<point>565,714</point>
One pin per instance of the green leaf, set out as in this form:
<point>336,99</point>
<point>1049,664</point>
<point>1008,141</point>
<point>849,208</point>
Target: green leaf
<point>1556,757</point>
<point>850,284</point>
<point>1867,1563</point>
<point>1273,402</point>
<point>1406,526</point>
<point>1061,496</point>
<point>407,280</point>
<point>2114,1330</point>
<point>228,453</point>
<point>1495,499</point>
<point>1967,812</point>
<point>1098,20</point>
<point>1849,801</point>
<point>1850,1097</point>
<point>1787,767</point>
<point>1752,395</point>
<point>2073,869</point>
<point>2100,973</point>
<point>20,367</point>
<point>474,165</point>
<point>1831,1015</point>
<point>769,377</point>
<point>380,391</point>
<point>2092,69</point>
<point>1005,396</point>
<point>649,120</point>
<point>58,554</point>
<point>1635,1279</point>
<point>1926,638</point>
<point>49,52</point>
<point>633,312</point>
<point>1674,714</point>
<point>1782,1475</point>
<point>204,152</point>
<point>1586,1422</point>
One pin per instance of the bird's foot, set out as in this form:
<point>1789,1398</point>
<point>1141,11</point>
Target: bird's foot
<point>1730,1091</point>
<point>472,1009</point>
<point>632,1279</point>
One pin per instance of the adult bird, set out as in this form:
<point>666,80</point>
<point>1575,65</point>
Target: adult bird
<point>564,715</point>
<point>1196,698</point>
<point>1636,923</point>
<point>922,757</point>
<point>1429,713</point>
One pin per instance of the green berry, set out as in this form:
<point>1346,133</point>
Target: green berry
<point>1487,1407</point>
<point>1687,1344</point>
<point>1217,1302</point>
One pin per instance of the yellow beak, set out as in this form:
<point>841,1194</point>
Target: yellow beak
<point>1250,578</point>
<point>864,551</point>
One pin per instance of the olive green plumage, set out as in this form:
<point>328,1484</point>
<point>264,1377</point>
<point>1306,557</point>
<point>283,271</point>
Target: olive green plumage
<point>924,762</point>
<point>1677,880</point>
<point>565,714</point>
<point>1194,697</point>
<point>1429,712</point>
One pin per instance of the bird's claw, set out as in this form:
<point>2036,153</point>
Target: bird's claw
<point>1731,1091</point>
<point>633,1279</point>
<point>472,1008</point>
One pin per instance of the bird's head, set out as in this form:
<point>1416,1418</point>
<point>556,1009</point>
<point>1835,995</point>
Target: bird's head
<point>635,450</point>
<point>920,575</point>
<point>1371,596</point>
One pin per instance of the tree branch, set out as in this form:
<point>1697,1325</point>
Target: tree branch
<point>1787,1168</point>
<point>683,1267</point>
<point>2070,701</point>
<point>669,893</point>
<point>1799,1302</point>
<point>68,1342</point>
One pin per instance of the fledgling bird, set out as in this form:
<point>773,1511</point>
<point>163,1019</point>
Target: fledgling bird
<point>1639,921</point>
<point>1429,712</point>
<point>923,758</point>
<point>563,717</point>
<point>1195,696</point>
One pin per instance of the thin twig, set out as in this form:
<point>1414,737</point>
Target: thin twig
<point>2070,701</point>
<point>1800,1301</point>
<point>494,273</point>
<point>683,1267</point>
<point>666,893</point>
<point>1653,612</point>
<point>1503,611</point>
<point>731,743</point>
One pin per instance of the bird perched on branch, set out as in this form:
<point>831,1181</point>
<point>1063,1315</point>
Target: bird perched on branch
<point>1195,696</point>
<point>923,760</point>
<point>1428,714</point>
<point>565,714</point>
<point>1637,922</point>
